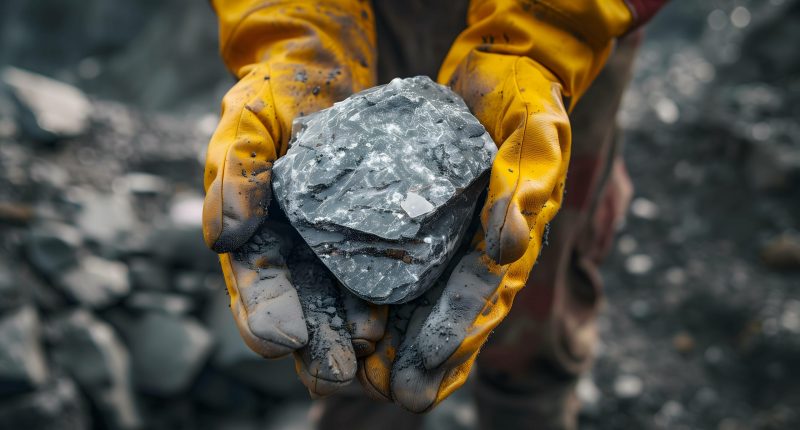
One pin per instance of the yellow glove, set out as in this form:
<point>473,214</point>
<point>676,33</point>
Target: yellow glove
<point>291,58</point>
<point>514,65</point>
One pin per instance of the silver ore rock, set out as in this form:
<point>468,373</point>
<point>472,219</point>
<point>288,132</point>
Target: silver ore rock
<point>383,185</point>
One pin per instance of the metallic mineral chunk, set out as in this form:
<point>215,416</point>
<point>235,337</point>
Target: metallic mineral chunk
<point>383,185</point>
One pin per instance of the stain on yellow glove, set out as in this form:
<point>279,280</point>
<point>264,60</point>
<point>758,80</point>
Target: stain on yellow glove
<point>514,65</point>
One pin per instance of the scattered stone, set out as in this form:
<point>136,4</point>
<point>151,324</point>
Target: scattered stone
<point>57,406</point>
<point>198,283</point>
<point>626,244</point>
<point>53,247</point>
<point>218,391</point>
<point>89,350</point>
<point>683,342</point>
<point>15,213</point>
<point>644,208</point>
<point>639,264</point>
<point>772,166</point>
<point>46,298</point>
<point>157,301</point>
<point>669,414</point>
<point>10,288</point>
<point>147,274</point>
<point>589,395</point>
<point>293,416</point>
<point>22,362</point>
<point>714,355</point>
<point>49,110</point>
<point>783,252</point>
<point>383,185</point>
<point>104,217</point>
<point>628,386</point>
<point>790,318</point>
<point>640,309</point>
<point>167,352</point>
<point>454,413</point>
<point>706,396</point>
<point>143,184</point>
<point>96,282</point>
<point>187,210</point>
<point>675,275</point>
<point>182,247</point>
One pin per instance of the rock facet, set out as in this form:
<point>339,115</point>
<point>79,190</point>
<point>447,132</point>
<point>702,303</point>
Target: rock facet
<point>383,185</point>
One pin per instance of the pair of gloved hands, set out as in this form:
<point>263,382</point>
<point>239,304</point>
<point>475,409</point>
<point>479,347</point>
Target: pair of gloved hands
<point>293,58</point>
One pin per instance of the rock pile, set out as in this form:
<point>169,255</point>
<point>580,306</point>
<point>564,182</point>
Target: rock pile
<point>383,184</point>
<point>113,313</point>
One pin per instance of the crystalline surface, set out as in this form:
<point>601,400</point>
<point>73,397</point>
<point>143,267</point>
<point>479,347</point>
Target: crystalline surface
<point>383,184</point>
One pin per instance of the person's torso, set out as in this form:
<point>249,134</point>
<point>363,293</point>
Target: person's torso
<point>414,36</point>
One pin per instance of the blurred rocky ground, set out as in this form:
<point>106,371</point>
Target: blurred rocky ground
<point>114,315</point>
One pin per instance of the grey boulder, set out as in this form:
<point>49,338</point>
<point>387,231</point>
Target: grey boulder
<point>22,362</point>
<point>167,352</point>
<point>383,185</point>
<point>91,352</point>
<point>57,405</point>
<point>50,110</point>
<point>96,282</point>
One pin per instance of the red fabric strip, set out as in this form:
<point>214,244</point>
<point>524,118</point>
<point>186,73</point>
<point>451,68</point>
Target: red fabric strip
<point>643,10</point>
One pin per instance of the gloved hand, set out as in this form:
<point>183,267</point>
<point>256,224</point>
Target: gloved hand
<point>340,326</point>
<point>514,65</point>
<point>291,58</point>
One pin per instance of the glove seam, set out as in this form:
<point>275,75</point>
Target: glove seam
<point>223,170</point>
<point>573,27</point>
<point>522,142</point>
<point>247,14</point>
<point>235,283</point>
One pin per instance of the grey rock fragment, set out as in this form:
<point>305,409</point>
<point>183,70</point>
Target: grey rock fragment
<point>96,282</point>
<point>8,126</point>
<point>148,274</point>
<point>104,218</point>
<point>383,185</point>
<point>143,184</point>
<point>167,352</point>
<point>11,294</point>
<point>22,362</point>
<point>56,406</point>
<point>186,210</point>
<point>292,416</point>
<point>53,247</point>
<point>90,351</point>
<point>198,283</point>
<point>181,247</point>
<point>175,304</point>
<point>51,110</point>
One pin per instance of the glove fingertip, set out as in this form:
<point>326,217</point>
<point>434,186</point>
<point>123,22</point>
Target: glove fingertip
<point>363,347</point>
<point>414,388</point>
<point>234,234</point>
<point>507,233</point>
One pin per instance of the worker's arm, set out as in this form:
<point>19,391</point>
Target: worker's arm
<point>291,58</point>
<point>519,65</point>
